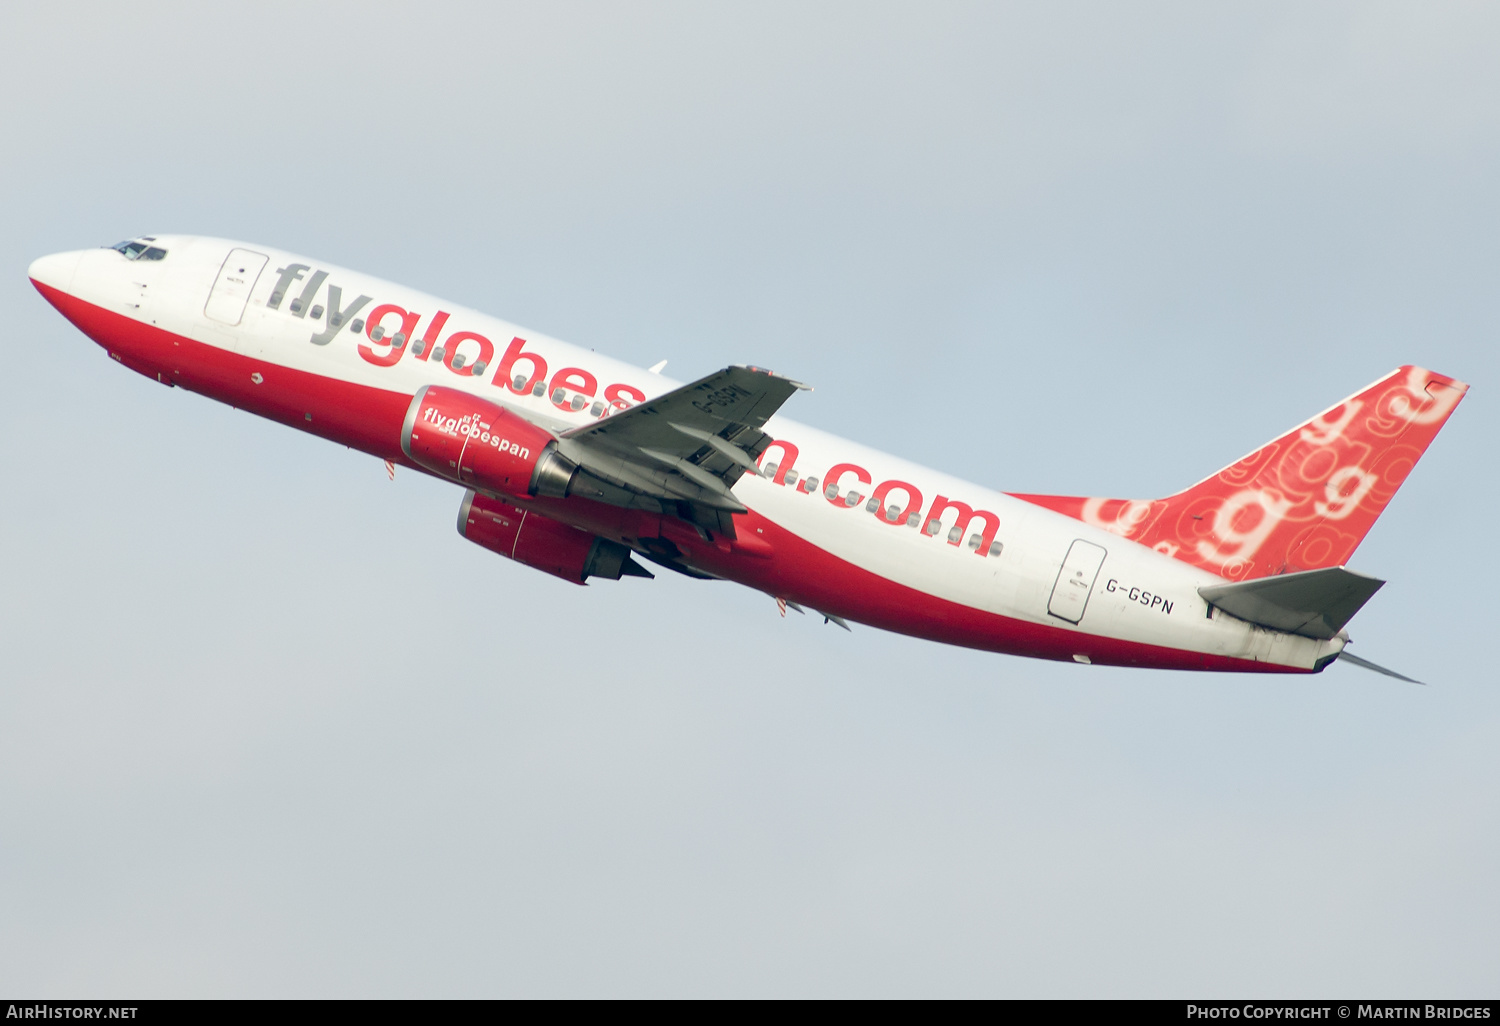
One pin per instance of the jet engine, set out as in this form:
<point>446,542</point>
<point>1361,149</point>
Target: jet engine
<point>543,543</point>
<point>478,443</point>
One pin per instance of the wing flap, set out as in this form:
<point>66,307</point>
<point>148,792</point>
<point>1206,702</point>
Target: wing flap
<point>690,445</point>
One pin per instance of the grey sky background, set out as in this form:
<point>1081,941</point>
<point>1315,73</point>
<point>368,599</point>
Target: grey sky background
<point>269,727</point>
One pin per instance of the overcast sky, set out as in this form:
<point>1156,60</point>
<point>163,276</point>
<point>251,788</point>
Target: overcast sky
<point>269,727</point>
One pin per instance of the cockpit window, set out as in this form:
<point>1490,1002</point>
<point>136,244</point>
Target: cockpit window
<point>139,250</point>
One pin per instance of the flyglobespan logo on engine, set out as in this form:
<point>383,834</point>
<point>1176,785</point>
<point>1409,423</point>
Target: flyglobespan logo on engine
<point>471,427</point>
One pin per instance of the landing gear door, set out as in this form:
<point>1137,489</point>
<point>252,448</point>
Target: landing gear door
<point>231,291</point>
<point>1075,581</point>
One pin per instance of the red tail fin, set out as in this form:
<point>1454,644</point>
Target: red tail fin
<point>1302,502</point>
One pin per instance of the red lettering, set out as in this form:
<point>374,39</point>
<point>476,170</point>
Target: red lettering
<point>408,327</point>
<point>913,500</point>
<point>966,513</point>
<point>575,378</point>
<point>623,397</point>
<point>505,373</point>
<point>787,461</point>
<point>836,474</point>
<point>430,336</point>
<point>458,338</point>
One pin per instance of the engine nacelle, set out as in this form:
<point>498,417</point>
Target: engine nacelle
<point>474,442</point>
<point>543,543</point>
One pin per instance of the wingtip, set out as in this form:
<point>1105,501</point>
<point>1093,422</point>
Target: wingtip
<point>770,373</point>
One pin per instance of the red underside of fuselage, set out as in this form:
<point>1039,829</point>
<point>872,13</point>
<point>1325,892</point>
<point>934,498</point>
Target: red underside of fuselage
<point>768,557</point>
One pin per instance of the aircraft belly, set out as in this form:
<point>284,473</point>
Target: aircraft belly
<point>1137,596</point>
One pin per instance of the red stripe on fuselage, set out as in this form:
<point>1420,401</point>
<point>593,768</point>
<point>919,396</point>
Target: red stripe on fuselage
<point>770,558</point>
<point>365,418</point>
<point>813,577</point>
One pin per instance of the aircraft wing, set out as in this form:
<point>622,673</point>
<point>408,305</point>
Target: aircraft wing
<point>688,446</point>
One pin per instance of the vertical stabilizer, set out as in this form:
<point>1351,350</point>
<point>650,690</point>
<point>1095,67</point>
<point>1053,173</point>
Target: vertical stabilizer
<point>1302,502</point>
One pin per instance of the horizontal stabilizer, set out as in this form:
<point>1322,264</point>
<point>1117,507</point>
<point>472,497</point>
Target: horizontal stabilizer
<point>1313,603</point>
<point>1347,656</point>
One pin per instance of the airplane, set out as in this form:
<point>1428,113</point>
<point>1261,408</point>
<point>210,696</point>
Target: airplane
<point>582,466</point>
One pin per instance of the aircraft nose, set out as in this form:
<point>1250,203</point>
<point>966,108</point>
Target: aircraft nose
<point>55,271</point>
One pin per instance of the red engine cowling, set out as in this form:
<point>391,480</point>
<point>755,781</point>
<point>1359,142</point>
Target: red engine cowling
<point>474,442</point>
<point>543,543</point>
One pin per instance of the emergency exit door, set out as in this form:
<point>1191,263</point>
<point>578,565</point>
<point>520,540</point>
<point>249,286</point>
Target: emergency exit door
<point>231,291</point>
<point>1075,581</point>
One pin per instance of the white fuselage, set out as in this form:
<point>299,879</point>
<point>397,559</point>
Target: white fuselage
<point>1126,598</point>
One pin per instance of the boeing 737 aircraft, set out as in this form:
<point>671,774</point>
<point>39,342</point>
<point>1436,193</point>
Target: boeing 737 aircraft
<point>578,465</point>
